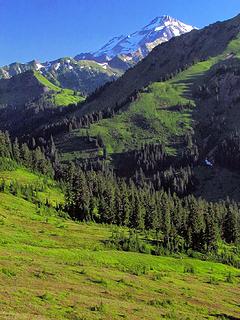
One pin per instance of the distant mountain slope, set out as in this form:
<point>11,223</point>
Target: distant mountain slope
<point>29,99</point>
<point>83,76</point>
<point>87,72</point>
<point>29,86</point>
<point>21,89</point>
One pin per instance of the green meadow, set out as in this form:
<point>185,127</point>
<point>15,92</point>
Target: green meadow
<point>161,114</point>
<point>60,97</point>
<point>54,268</point>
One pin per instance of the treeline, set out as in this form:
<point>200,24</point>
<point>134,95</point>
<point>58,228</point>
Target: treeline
<point>34,158</point>
<point>69,123</point>
<point>186,223</point>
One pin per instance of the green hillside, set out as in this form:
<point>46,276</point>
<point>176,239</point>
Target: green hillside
<point>60,97</point>
<point>52,268</point>
<point>162,113</point>
<point>47,188</point>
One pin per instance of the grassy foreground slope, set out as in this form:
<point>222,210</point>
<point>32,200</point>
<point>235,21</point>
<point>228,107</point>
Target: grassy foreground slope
<point>47,189</point>
<point>51,268</point>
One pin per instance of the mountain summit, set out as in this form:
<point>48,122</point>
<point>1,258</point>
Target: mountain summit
<point>138,44</point>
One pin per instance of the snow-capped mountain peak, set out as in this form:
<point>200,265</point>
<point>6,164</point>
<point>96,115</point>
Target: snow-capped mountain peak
<point>159,22</point>
<point>138,44</point>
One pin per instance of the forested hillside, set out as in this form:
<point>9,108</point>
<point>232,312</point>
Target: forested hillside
<point>71,270</point>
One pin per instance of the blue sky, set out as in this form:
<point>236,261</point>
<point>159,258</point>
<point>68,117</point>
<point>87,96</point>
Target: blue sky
<point>49,29</point>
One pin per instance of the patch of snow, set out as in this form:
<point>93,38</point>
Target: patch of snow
<point>70,67</point>
<point>164,28</point>
<point>104,65</point>
<point>208,163</point>
<point>39,66</point>
<point>6,74</point>
<point>159,28</point>
<point>56,66</point>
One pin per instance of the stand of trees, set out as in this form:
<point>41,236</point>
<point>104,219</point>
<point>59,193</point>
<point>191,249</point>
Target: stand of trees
<point>151,163</point>
<point>186,223</point>
<point>34,158</point>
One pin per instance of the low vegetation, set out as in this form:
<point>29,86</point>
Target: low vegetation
<point>55,268</point>
<point>60,97</point>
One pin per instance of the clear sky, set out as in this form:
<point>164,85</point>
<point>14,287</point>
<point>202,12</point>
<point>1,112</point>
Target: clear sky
<point>50,29</point>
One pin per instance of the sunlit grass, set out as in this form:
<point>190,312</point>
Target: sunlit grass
<point>51,268</point>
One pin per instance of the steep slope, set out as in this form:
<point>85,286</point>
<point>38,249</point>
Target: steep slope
<point>160,113</point>
<point>28,99</point>
<point>166,60</point>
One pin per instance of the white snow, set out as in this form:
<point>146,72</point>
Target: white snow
<point>208,163</point>
<point>56,66</point>
<point>39,66</point>
<point>70,67</point>
<point>159,28</point>
<point>164,28</point>
<point>104,65</point>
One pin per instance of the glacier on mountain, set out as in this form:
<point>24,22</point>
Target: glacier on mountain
<point>160,29</point>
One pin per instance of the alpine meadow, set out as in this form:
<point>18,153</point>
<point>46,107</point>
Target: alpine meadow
<point>119,167</point>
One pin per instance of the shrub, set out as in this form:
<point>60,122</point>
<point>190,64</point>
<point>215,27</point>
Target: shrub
<point>229,278</point>
<point>8,272</point>
<point>131,242</point>
<point>213,280</point>
<point>7,164</point>
<point>99,308</point>
<point>189,269</point>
